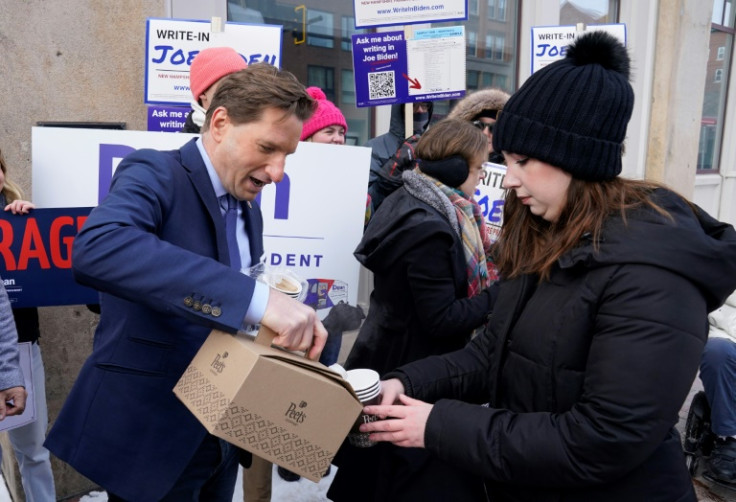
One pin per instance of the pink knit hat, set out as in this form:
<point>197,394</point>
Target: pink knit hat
<point>326,114</point>
<point>210,65</point>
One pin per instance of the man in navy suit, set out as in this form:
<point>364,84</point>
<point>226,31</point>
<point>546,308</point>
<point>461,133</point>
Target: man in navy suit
<point>157,249</point>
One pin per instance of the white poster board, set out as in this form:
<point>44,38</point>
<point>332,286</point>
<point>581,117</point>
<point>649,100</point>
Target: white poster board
<point>549,43</point>
<point>372,13</point>
<point>29,414</point>
<point>313,220</point>
<point>489,194</point>
<point>436,57</point>
<point>172,44</point>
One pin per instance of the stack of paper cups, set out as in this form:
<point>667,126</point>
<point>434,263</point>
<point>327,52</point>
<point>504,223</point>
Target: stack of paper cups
<point>367,386</point>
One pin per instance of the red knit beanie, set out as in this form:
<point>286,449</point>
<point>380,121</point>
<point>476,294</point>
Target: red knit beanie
<point>210,65</point>
<point>325,114</point>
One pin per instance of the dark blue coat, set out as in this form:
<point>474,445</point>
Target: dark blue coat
<point>156,249</point>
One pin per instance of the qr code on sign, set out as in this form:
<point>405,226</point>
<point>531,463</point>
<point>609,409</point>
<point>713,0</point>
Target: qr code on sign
<point>381,85</point>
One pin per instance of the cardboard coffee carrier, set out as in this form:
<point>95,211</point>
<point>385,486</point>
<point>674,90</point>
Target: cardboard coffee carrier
<point>274,403</point>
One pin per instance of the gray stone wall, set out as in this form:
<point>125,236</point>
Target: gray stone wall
<point>67,60</point>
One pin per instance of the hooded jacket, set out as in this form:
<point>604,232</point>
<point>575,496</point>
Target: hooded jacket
<point>473,104</point>
<point>470,107</point>
<point>585,373</point>
<point>384,146</point>
<point>419,303</point>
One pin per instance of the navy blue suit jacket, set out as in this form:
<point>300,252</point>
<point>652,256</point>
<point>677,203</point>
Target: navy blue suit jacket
<point>156,249</point>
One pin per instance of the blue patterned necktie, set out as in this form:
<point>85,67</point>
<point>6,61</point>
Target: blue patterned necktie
<point>228,202</point>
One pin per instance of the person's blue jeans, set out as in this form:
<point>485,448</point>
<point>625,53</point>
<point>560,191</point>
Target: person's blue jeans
<point>332,349</point>
<point>718,374</point>
<point>210,475</point>
<point>33,459</point>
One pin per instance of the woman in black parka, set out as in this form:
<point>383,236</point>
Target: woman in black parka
<point>427,246</point>
<point>600,320</point>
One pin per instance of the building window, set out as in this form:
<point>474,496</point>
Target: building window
<point>500,47</point>
<point>473,7</point>
<point>716,87</point>
<point>487,80</point>
<point>494,47</point>
<point>491,9</point>
<point>348,30</point>
<point>501,10</point>
<point>347,84</point>
<point>320,25</point>
<point>472,78</point>
<point>322,77</point>
<point>472,43</point>
<point>588,11</point>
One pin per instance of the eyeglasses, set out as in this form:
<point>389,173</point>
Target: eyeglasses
<point>483,125</point>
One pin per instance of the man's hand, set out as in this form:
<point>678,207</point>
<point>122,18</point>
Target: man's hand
<point>296,325</point>
<point>12,401</point>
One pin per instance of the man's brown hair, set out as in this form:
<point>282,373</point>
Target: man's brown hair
<point>245,94</point>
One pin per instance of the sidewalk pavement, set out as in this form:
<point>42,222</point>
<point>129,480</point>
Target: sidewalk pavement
<point>704,489</point>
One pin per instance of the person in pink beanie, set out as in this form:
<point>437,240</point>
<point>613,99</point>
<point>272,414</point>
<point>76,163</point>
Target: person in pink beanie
<point>209,67</point>
<point>328,124</point>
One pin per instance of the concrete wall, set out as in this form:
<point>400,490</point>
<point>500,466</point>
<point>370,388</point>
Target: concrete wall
<point>683,34</point>
<point>68,60</point>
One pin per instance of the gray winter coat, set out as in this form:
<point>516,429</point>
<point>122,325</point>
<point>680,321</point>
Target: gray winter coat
<point>10,373</point>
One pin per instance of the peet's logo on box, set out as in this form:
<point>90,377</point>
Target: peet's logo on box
<point>294,416</point>
<point>218,363</point>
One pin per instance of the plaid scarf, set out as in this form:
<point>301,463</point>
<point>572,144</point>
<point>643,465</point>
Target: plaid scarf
<point>468,223</point>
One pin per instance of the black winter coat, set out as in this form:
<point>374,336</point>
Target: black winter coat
<point>586,372</point>
<point>419,307</point>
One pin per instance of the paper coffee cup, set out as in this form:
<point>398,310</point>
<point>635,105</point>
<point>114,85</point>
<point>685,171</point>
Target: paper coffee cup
<point>367,386</point>
<point>362,379</point>
<point>285,284</point>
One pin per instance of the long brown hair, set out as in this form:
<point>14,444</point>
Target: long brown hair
<point>11,191</point>
<point>530,245</point>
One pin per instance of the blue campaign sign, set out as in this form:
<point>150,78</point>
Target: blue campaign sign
<point>172,45</point>
<point>379,65</point>
<point>390,69</point>
<point>36,254</point>
<point>167,118</point>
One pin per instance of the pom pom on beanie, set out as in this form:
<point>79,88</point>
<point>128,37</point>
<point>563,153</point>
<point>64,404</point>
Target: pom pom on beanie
<point>325,114</point>
<point>573,113</point>
<point>210,65</point>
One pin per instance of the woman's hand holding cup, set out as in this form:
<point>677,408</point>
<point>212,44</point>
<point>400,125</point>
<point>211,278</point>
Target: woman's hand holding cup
<point>391,390</point>
<point>405,425</point>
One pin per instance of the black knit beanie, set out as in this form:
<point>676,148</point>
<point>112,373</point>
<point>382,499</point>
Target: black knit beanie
<point>573,113</point>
